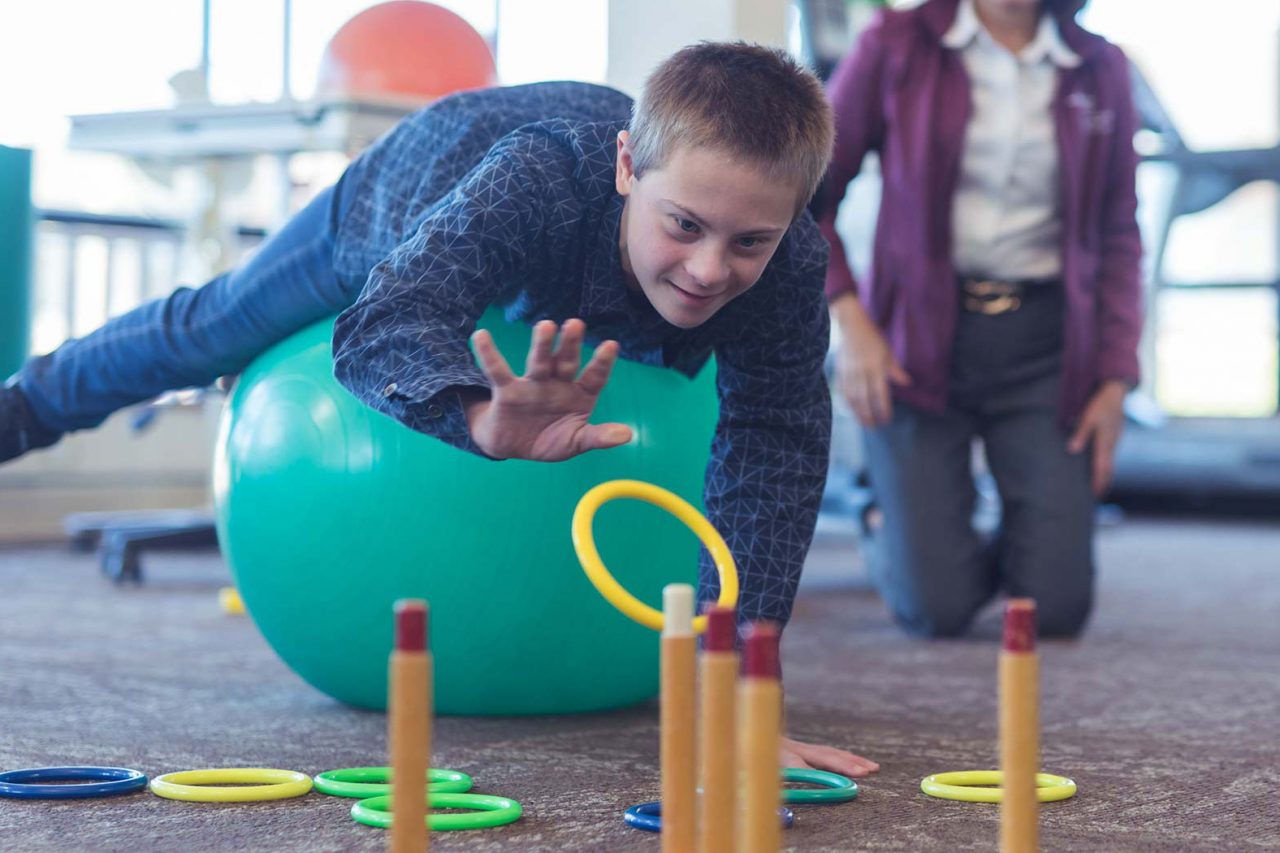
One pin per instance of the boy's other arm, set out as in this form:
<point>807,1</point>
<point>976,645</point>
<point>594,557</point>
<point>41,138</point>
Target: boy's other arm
<point>768,470</point>
<point>768,462</point>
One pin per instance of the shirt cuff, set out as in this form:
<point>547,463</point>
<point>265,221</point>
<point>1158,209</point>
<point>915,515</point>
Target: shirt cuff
<point>443,417</point>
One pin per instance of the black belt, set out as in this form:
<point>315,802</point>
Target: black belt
<point>993,296</point>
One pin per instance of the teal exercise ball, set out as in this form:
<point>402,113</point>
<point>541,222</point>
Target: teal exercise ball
<point>328,512</point>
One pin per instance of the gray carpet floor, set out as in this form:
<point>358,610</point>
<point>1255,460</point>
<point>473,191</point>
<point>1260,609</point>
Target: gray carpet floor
<point>1167,714</point>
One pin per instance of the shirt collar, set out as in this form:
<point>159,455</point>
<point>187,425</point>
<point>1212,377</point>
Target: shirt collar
<point>964,29</point>
<point>1047,44</point>
<point>604,292</point>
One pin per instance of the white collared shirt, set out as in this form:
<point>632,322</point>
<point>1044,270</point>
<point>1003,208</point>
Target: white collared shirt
<point>1006,215</point>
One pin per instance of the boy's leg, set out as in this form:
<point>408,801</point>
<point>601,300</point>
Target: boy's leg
<point>931,567</point>
<point>193,336</point>
<point>20,429</point>
<point>1046,541</point>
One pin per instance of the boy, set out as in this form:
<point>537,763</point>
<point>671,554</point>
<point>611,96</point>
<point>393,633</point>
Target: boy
<point>677,236</point>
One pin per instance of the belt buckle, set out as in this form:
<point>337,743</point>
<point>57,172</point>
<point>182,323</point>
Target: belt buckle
<point>993,307</point>
<point>991,297</point>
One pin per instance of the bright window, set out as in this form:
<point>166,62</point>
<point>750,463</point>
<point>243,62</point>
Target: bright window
<point>66,57</point>
<point>1215,68</point>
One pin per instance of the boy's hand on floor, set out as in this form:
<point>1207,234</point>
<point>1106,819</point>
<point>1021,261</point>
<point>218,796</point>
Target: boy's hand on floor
<point>544,415</point>
<point>811,756</point>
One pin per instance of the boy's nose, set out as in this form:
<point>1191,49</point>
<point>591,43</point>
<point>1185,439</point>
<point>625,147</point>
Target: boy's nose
<point>708,268</point>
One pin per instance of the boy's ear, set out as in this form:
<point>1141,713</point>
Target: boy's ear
<point>625,173</point>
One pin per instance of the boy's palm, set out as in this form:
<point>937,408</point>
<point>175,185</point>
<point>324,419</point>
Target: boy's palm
<point>545,414</point>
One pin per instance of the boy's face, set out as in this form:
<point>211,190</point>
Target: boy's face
<point>699,231</point>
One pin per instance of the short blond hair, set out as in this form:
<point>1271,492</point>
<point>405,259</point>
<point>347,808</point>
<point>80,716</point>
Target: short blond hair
<point>746,100</point>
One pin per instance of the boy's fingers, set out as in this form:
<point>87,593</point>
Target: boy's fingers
<point>495,367</point>
<point>791,759</point>
<point>840,761</point>
<point>602,436</point>
<point>539,365</point>
<point>569,352</point>
<point>596,373</point>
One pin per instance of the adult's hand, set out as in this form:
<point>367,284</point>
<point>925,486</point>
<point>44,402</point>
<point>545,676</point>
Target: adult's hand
<point>865,365</point>
<point>1100,426</point>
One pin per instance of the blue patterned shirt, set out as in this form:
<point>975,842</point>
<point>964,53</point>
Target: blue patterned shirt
<point>506,197</point>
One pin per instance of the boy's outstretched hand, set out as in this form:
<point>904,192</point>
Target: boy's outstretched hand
<point>544,414</point>
<point>793,753</point>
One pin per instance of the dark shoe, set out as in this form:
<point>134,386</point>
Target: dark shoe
<point>20,431</point>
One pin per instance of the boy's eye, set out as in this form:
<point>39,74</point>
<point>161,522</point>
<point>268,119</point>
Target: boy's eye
<point>749,242</point>
<point>688,226</point>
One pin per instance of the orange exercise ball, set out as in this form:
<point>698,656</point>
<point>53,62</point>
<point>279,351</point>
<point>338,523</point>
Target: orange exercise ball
<point>408,49</point>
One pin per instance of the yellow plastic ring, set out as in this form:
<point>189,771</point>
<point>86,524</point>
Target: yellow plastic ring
<point>960,786</point>
<point>614,593</point>
<point>239,785</point>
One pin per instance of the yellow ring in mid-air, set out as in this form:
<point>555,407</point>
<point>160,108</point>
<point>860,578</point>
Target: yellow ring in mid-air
<point>963,785</point>
<point>585,544</point>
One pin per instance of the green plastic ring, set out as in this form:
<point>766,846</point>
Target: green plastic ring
<point>486,811</point>
<point>836,788</point>
<point>375,781</point>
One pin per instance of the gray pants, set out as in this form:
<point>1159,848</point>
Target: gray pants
<point>932,568</point>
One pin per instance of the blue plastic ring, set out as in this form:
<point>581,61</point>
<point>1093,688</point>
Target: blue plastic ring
<point>44,783</point>
<point>648,816</point>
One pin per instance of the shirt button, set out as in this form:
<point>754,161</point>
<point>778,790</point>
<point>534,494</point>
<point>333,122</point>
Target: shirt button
<point>435,410</point>
<point>389,390</point>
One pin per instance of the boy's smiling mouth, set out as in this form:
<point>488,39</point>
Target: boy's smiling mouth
<point>692,298</point>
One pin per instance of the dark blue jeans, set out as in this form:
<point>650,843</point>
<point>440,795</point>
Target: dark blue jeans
<point>192,336</point>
